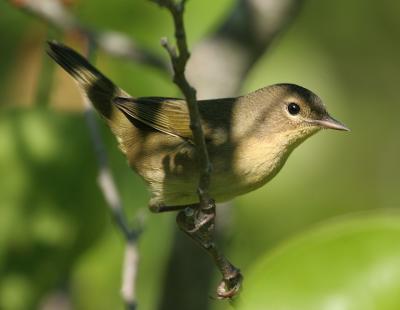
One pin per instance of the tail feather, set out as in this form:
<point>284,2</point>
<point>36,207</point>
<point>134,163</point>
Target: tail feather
<point>76,65</point>
<point>99,89</point>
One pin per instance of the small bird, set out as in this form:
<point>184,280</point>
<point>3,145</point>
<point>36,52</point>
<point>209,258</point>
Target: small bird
<point>249,138</point>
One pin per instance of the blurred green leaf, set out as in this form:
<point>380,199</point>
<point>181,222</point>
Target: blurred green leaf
<point>46,217</point>
<point>351,263</point>
<point>55,231</point>
<point>15,292</point>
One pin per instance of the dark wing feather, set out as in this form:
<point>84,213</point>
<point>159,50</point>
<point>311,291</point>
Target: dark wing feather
<point>171,116</point>
<point>168,115</point>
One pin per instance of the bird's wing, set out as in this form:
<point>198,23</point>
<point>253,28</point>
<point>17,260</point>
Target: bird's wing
<point>168,115</point>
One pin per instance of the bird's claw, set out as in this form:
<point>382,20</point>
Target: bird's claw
<point>202,221</point>
<point>192,220</point>
<point>229,288</point>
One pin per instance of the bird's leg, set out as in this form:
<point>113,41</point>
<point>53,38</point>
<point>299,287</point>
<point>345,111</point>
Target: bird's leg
<point>161,208</point>
<point>199,224</point>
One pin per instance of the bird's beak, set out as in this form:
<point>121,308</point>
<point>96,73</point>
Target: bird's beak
<point>330,123</point>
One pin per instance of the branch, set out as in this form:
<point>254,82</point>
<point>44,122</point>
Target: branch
<point>107,185</point>
<point>54,13</point>
<point>229,58</point>
<point>113,43</point>
<point>240,40</point>
<point>179,60</point>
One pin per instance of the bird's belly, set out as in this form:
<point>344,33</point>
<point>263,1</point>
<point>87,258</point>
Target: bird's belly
<point>225,185</point>
<point>232,176</point>
<point>173,175</point>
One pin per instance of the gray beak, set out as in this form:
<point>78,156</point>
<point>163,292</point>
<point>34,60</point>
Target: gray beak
<point>330,123</point>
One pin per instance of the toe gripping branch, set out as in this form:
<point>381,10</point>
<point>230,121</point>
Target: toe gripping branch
<point>199,224</point>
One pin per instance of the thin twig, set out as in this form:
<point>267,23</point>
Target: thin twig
<point>56,15</point>
<point>230,57</point>
<point>179,60</point>
<point>245,34</point>
<point>113,43</point>
<point>129,275</point>
<point>107,184</point>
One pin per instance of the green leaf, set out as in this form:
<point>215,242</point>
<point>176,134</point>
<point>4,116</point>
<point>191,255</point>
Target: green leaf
<point>351,263</point>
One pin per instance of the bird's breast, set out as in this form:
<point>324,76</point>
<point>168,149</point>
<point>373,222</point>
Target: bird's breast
<point>256,161</point>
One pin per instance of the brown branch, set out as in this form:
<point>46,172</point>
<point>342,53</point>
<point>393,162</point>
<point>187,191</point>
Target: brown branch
<point>113,43</point>
<point>240,40</point>
<point>230,57</point>
<point>179,60</point>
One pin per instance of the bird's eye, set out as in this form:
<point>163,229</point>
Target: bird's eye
<point>293,108</point>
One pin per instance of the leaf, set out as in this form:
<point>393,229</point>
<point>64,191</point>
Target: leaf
<point>352,263</point>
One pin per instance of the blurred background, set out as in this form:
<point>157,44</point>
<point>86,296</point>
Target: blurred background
<point>58,244</point>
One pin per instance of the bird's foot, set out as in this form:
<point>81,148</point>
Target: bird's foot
<point>230,287</point>
<point>196,219</point>
<point>199,224</point>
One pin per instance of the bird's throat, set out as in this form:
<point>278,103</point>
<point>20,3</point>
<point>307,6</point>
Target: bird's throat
<point>255,166</point>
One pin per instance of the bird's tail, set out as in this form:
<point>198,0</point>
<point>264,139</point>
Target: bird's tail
<point>98,89</point>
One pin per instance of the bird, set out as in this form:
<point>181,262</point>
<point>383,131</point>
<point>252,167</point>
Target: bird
<point>248,138</point>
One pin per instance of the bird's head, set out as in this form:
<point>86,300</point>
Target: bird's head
<point>295,112</point>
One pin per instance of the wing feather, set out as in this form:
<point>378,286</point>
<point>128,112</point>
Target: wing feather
<point>171,116</point>
<point>168,115</point>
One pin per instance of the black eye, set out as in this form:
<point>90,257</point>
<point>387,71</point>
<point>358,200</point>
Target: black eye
<point>293,108</point>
